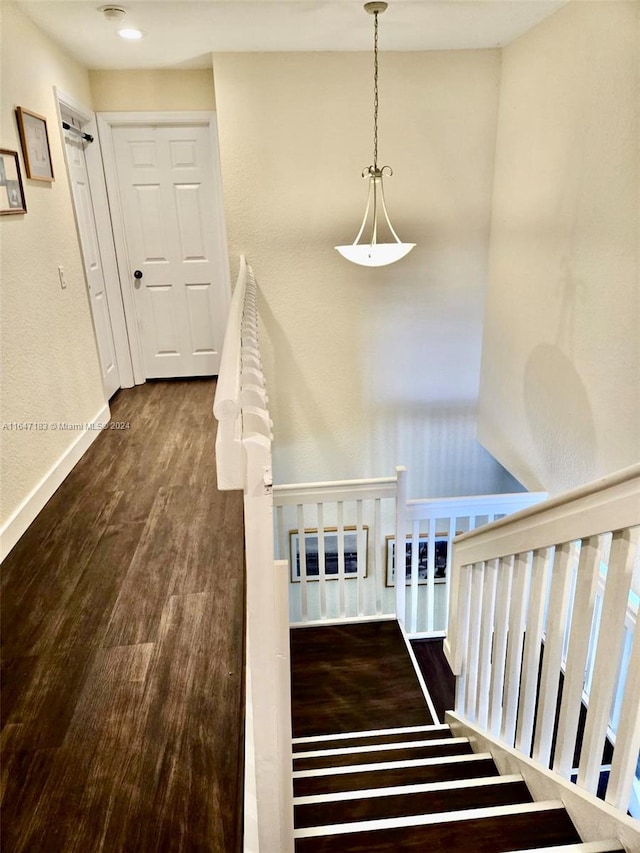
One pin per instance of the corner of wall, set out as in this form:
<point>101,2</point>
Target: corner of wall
<point>559,390</point>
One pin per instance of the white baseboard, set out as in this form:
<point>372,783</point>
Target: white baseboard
<point>419,676</point>
<point>38,497</point>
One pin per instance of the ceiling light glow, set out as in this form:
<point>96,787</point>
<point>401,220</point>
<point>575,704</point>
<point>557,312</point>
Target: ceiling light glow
<point>130,33</point>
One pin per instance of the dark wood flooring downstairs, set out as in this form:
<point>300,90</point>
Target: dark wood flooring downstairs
<point>352,678</point>
<point>122,644</point>
<point>440,681</point>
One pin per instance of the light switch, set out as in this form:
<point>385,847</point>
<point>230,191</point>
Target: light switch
<point>63,281</point>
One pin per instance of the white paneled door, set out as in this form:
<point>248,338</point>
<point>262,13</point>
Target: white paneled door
<point>92,260</point>
<point>170,215</point>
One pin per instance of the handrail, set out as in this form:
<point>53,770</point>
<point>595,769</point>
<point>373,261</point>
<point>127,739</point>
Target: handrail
<point>227,398</point>
<point>227,404</point>
<point>598,507</point>
<point>508,504</point>
<point>295,493</point>
<point>613,514</point>
<point>533,581</point>
<point>243,457</point>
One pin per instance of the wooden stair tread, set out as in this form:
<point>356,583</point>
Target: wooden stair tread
<point>411,803</point>
<point>411,786</point>
<point>495,834</point>
<point>443,771</point>
<point>374,754</point>
<point>382,737</point>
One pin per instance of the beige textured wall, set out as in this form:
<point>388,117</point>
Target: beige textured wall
<point>152,90</point>
<point>367,368</point>
<point>50,369</point>
<point>560,390</point>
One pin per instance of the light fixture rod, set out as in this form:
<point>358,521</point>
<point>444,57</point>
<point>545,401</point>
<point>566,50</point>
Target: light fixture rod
<point>375,8</point>
<point>376,99</point>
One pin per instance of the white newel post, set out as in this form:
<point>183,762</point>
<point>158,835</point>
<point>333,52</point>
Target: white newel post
<point>454,641</point>
<point>401,533</point>
<point>265,610</point>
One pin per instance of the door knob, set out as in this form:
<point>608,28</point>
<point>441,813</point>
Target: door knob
<point>137,274</point>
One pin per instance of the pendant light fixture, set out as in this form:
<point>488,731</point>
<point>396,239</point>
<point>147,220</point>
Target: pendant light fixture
<point>372,253</point>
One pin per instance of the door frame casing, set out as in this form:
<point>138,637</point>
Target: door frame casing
<point>100,203</point>
<point>106,122</point>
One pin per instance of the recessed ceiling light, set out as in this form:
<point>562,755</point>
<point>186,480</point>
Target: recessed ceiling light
<point>117,14</point>
<point>113,13</point>
<point>130,33</point>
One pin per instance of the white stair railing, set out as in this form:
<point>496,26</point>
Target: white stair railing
<point>541,599</point>
<point>346,569</point>
<point>428,569</point>
<point>556,576</point>
<point>337,570</point>
<point>243,457</point>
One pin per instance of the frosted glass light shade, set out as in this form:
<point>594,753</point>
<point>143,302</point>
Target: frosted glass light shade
<point>130,33</point>
<point>375,254</point>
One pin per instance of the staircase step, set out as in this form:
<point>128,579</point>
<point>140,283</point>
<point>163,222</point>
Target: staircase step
<point>393,773</point>
<point>376,753</point>
<point>484,830</point>
<point>583,847</point>
<point>404,733</point>
<point>410,800</point>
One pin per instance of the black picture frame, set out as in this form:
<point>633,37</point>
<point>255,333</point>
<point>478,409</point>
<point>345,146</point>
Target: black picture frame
<point>440,565</point>
<point>12,199</point>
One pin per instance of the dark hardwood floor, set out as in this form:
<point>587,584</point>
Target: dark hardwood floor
<point>351,678</point>
<point>440,681</point>
<point>122,644</point>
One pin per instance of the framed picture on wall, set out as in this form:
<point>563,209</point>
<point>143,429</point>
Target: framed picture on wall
<point>35,145</point>
<point>11,190</point>
<point>440,559</point>
<point>331,563</point>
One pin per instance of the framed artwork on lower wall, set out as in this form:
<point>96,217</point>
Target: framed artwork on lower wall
<point>331,561</point>
<point>12,198</point>
<point>440,559</point>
